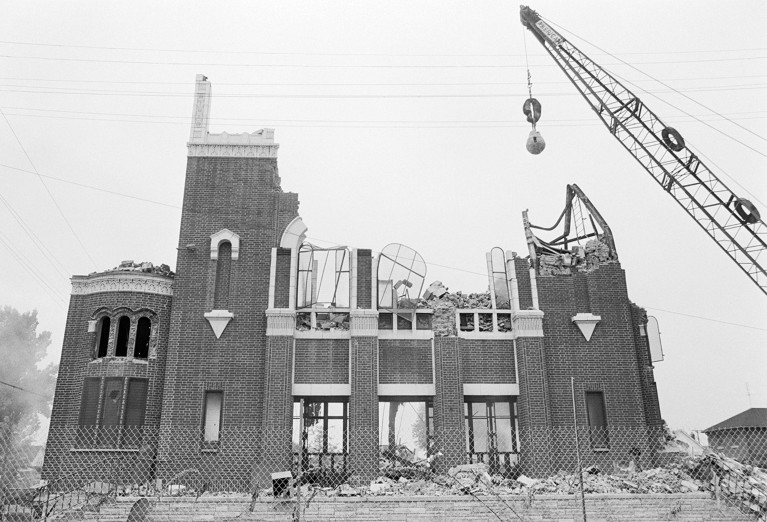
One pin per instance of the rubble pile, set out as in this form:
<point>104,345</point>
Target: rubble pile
<point>743,484</point>
<point>146,267</point>
<point>476,479</point>
<point>444,306</point>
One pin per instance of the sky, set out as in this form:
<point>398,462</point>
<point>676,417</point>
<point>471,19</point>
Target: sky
<point>397,122</point>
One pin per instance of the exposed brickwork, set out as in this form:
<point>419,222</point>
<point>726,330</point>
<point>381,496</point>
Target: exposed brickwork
<point>691,507</point>
<point>522,270</point>
<point>487,360</point>
<point>363,407</point>
<point>644,361</point>
<point>448,402</point>
<point>77,362</point>
<point>282,278</point>
<point>322,361</point>
<point>244,196</point>
<point>405,361</point>
<point>364,275</point>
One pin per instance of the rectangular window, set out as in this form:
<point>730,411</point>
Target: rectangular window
<point>214,402</point>
<point>107,418</point>
<point>597,416</point>
<point>325,439</point>
<point>89,406</point>
<point>491,433</point>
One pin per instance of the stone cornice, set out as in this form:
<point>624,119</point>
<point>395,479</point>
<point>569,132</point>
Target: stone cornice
<point>280,322</point>
<point>122,282</point>
<point>527,323</point>
<point>229,150</point>
<point>364,323</point>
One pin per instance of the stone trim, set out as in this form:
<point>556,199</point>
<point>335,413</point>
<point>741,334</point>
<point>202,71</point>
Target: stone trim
<point>527,323</point>
<point>280,322</point>
<point>395,390</point>
<point>232,151</point>
<point>489,389</point>
<point>224,235</point>
<point>122,282</point>
<point>364,323</point>
<point>310,389</point>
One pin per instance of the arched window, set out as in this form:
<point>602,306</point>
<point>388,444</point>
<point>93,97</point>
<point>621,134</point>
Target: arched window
<point>143,333</point>
<point>102,337</point>
<point>123,331</point>
<point>223,272</point>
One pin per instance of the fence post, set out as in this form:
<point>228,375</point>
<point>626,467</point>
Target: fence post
<point>578,449</point>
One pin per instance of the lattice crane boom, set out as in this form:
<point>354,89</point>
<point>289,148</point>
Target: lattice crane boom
<point>733,223</point>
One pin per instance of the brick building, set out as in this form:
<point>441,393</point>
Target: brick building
<point>208,368</point>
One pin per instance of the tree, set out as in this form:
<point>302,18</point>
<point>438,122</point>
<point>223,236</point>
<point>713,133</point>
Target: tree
<point>26,388</point>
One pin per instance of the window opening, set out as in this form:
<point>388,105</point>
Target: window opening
<point>119,424</point>
<point>597,416</point>
<point>491,434</point>
<point>500,279</point>
<point>406,431</point>
<point>325,441</point>
<point>143,334</point>
<point>102,346</point>
<point>212,416</point>
<point>223,276</point>
<point>385,321</point>
<point>123,331</point>
<point>323,292</point>
<point>401,273</point>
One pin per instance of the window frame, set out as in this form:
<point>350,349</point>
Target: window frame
<point>323,455</point>
<point>111,436</point>
<point>599,434</point>
<point>212,444</point>
<point>503,462</point>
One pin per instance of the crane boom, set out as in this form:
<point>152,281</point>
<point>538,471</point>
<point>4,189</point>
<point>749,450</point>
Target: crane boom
<point>733,223</point>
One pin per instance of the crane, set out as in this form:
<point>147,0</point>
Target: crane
<point>733,223</point>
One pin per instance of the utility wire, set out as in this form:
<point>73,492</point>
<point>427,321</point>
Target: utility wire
<point>301,53</point>
<point>281,84</point>
<point>39,244</point>
<point>25,390</point>
<point>347,66</point>
<point>32,269</point>
<point>674,90</point>
<point>706,318</point>
<point>50,194</point>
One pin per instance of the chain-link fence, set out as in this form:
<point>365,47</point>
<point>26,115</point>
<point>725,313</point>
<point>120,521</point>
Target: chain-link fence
<point>91,471</point>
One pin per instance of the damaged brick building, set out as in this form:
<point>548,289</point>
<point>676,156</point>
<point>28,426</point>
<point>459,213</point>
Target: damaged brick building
<point>209,368</point>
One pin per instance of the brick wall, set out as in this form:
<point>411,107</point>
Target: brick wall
<point>364,276</point>
<point>405,361</point>
<point>692,507</point>
<point>322,361</point>
<point>77,362</point>
<point>363,407</point>
<point>244,196</point>
<point>487,360</point>
<point>282,279</point>
<point>448,402</point>
<point>607,363</point>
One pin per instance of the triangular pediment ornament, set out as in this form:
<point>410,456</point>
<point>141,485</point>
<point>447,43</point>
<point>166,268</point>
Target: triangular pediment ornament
<point>218,320</point>
<point>586,323</point>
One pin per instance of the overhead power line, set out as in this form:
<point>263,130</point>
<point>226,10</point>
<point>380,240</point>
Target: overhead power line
<point>349,66</point>
<point>283,84</point>
<point>48,191</point>
<point>315,53</point>
<point>33,89</point>
<point>25,390</point>
<point>674,90</point>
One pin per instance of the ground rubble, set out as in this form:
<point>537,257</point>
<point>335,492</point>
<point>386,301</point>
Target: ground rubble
<point>475,479</point>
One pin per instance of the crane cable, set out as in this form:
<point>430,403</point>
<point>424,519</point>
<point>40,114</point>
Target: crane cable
<point>532,109</point>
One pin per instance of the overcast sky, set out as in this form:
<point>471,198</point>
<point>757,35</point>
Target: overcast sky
<point>397,122</point>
